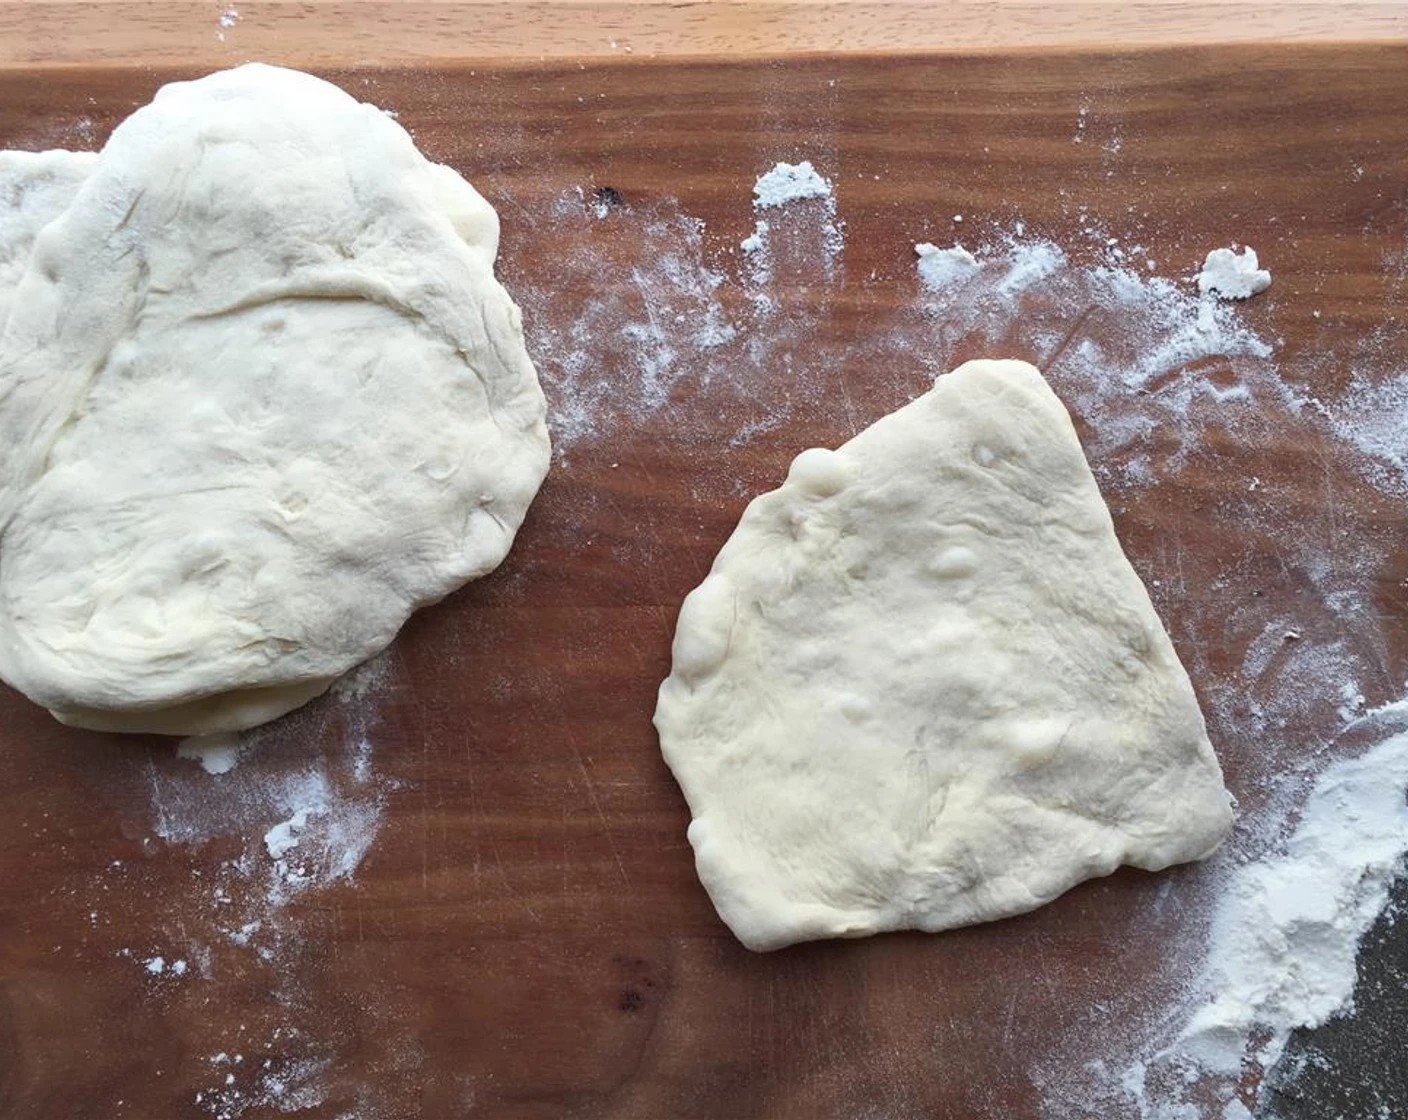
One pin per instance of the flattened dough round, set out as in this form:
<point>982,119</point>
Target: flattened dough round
<point>261,397</point>
<point>922,686</point>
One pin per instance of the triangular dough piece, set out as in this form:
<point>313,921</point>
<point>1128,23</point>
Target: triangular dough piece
<point>922,686</point>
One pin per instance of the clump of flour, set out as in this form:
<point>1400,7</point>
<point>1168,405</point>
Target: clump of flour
<point>217,754</point>
<point>228,18</point>
<point>938,268</point>
<point>805,234</point>
<point>789,182</point>
<point>1228,274</point>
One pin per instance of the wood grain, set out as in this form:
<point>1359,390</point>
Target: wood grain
<point>526,936</point>
<point>377,32</point>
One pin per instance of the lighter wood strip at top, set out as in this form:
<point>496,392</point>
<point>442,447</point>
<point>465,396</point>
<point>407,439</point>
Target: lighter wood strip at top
<point>340,32</point>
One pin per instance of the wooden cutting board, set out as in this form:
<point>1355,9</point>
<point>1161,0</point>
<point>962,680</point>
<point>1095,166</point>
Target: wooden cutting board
<point>522,933</point>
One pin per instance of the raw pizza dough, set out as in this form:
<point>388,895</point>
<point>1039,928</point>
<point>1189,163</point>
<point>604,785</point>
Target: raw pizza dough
<point>35,188</point>
<point>261,397</point>
<point>922,686</point>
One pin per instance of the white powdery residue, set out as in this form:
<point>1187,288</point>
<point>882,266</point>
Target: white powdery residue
<point>244,933</point>
<point>1228,274</point>
<point>363,680</point>
<point>1281,682</point>
<point>228,18</point>
<point>1133,354</point>
<point>1148,374</point>
<point>303,829</point>
<point>1372,416</point>
<point>155,965</point>
<point>1028,264</point>
<point>283,837</point>
<point>272,1086</point>
<point>1351,702</point>
<point>681,317</point>
<point>656,321</point>
<point>323,839</point>
<point>939,268</point>
<point>217,754</point>
<point>1287,928</point>
<point>362,761</point>
<point>758,254</point>
<point>756,241</point>
<point>712,328</point>
<point>789,182</point>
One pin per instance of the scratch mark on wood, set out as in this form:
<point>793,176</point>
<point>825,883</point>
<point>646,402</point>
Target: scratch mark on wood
<point>1051,359</point>
<point>601,815</point>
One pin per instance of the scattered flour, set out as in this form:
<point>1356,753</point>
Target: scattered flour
<point>780,189</point>
<point>1372,415</point>
<point>1232,275</point>
<point>1132,354</point>
<point>759,257</point>
<point>682,336</point>
<point>288,1079</point>
<point>657,318</point>
<point>299,816</point>
<point>1155,375</point>
<point>364,680</point>
<point>1284,937</point>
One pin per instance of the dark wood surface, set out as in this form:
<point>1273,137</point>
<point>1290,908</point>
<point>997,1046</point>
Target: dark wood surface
<point>525,936</point>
